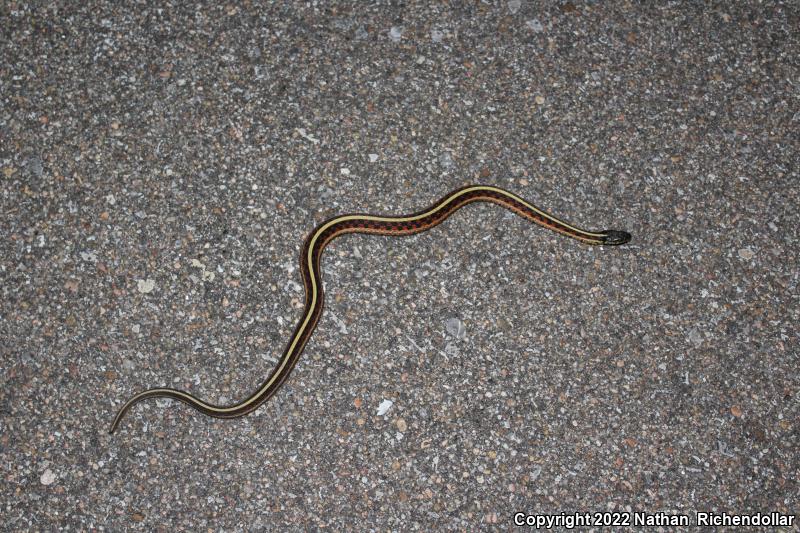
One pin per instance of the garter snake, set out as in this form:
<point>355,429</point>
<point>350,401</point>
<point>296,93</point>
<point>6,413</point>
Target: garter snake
<point>376,225</point>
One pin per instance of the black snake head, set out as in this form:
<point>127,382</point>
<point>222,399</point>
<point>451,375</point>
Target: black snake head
<point>614,237</point>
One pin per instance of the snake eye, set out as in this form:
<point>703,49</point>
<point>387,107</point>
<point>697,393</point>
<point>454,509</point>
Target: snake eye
<point>614,237</point>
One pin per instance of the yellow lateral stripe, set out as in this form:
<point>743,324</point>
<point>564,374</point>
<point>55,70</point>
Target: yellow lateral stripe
<point>590,237</point>
<point>539,211</point>
<point>442,204</point>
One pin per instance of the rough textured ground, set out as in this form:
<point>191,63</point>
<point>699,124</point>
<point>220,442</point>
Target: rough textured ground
<point>160,167</point>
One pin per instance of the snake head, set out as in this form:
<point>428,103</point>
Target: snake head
<point>614,237</point>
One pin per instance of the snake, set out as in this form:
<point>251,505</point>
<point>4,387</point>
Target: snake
<point>311,255</point>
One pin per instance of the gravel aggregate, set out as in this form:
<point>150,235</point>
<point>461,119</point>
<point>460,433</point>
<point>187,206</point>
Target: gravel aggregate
<point>161,164</point>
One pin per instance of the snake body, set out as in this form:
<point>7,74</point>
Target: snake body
<point>312,279</point>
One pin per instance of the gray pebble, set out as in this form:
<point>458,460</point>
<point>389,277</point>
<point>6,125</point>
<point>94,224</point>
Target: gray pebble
<point>35,166</point>
<point>446,160</point>
<point>535,25</point>
<point>455,327</point>
<point>396,33</point>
